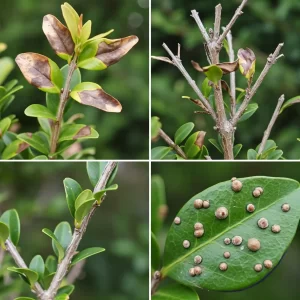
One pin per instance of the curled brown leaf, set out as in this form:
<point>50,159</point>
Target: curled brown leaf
<point>247,60</point>
<point>226,67</point>
<point>200,139</point>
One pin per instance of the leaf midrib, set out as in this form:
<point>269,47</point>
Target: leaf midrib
<point>165,270</point>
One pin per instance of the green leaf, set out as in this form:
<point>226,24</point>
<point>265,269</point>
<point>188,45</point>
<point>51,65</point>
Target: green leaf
<point>240,273</point>
<point>158,203</point>
<point>11,219</point>
<point>206,88</point>
<point>83,204</point>
<point>85,254</point>
<point>67,289</point>
<point>249,111</point>
<point>241,95</point>
<point>155,253</point>
<point>183,131</point>
<point>236,149</point>
<point>251,154</point>
<point>24,298</point>
<point>39,111</point>
<point>32,276</point>
<point>35,141</point>
<point>14,148</point>
<point>155,127</point>
<point>4,126</point>
<point>50,264</point>
<point>6,66</point>
<point>77,132</point>
<point>72,190</point>
<point>86,32</point>
<point>37,265</point>
<point>191,147</point>
<point>58,246</point>
<point>63,233</point>
<point>95,170</point>
<point>213,73</point>
<point>72,20</point>
<point>99,194</point>
<point>160,152</point>
<point>175,292</point>
<point>275,155</point>
<point>62,297</point>
<point>40,157</point>
<point>290,102</point>
<point>45,125</point>
<point>4,234</point>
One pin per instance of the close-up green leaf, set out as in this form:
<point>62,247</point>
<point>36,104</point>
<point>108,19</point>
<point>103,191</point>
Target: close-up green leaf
<point>12,220</point>
<point>85,254</point>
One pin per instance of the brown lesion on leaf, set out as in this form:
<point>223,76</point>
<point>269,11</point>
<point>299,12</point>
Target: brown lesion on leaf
<point>58,35</point>
<point>226,67</point>
<point>200,139</point>
<point>85,131</point>
<point>111,51</point>
<point>29,134</point>
<point>101,100</point>
<point>35,68</point>
<point>23,146</point>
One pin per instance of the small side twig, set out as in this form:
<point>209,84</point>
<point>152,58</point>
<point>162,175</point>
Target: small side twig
<point>10,247</point>
<point>178,64</point>
<point>168,140</point>
<point>217,25</point>
<point>155,281</point>
<point>271,124</point>
<point>272,59</point>
<point>203,31</point>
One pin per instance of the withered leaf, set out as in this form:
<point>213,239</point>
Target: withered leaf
<point>111,51</point>
<point>58,36</point>
<point>85,131</point>
<point>163,58</point>
<point>226,67</point>
<point>247,60</point>
<point>37,70</point>
<point>22,146</point>
<point>200,139</point>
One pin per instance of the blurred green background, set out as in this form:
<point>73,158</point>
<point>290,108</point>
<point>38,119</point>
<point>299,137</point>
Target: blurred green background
<point>262,27</point>
<point>183,180</point>
<point>122,136</point>
<point>120,225</point>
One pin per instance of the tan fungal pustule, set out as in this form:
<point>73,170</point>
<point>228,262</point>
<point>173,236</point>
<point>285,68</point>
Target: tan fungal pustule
<point>227,254</point>
<point>276,228</point>
<point>186,244</point>
<point>177,221</point>
<point>223,266</point>
<point>250,208</point>
<point>206,204</point>
<point>199,233</point>
<point>227,241</point>
<point>198,270</point>
<point>221,213</point>
<point>257,192</point>
<point>237,240</point>
<point>268,264</point>
<point>253,244</point>
<point>198,203</point>
<point>285,207</point>
<point>236,185</point>
<point>258,267</point>
<point>192,272</point>
<point>197,259</point>
<point>198,226</point>
<point>263,223</point>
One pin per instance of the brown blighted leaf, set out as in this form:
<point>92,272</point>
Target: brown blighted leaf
<point>38,70</point>
<point>85,131</point>
<point>163,58</point>
<point>247,60</point>
<point>92,94</point>
<point>22,146</point>
<point>58,36</point>
<point>200,139</point>
<point>111,51</point>
<point>226,67</point>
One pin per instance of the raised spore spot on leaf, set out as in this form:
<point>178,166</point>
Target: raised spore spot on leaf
<point>223,266</point>
<point>276,228</point>
<point>253,244</point>
<point>198,226</point>
<point>192,272</point>
<point>285,207</point>
<point>236,185</point>
<point>221,213</point>
<point>258,267</point>
<point>206,204</point>
<point>257,192</point>
<point>199,233</point>
<point>186,244</point>
<point>177,221</point>
<point>263,223</point>
<point>226,254</point>
<point>197,259</point>
<point>198,203</point>
<point>237,240</point>
<point>227,241</point>
<point>268,264</point>
<point>250,208</point>
<point>198,270</point>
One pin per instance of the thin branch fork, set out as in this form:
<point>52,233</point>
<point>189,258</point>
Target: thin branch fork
<point>169,141</point>
<point>272,59</point>
<point>271,124</point>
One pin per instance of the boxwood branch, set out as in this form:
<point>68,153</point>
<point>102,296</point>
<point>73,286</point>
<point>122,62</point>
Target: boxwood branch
<point>64,96</point>
<point>77,236</point>
<point>271,124</point>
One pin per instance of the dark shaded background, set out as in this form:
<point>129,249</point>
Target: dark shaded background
<point>183,180</point>
<point>122,136</point>
<point>120,225</point>
<point>262,27</point>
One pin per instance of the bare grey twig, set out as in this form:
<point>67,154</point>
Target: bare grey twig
<point>217,25</point>
<point>203,31</point>
<point>271,124</point>
<point>169,141</point>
